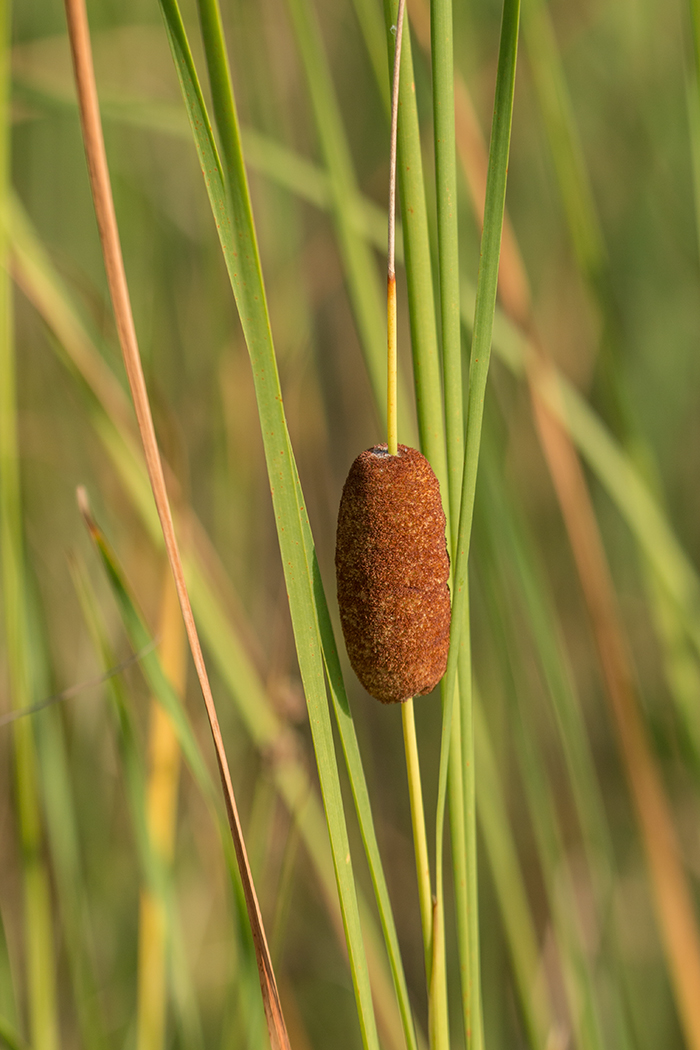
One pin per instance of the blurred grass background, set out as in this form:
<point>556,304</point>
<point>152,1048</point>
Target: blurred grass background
<point>612,260</point>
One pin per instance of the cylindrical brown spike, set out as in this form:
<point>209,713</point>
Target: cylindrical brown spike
<point>392,569</point>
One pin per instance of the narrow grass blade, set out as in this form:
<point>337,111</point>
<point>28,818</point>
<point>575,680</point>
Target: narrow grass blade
<point>239,246</point>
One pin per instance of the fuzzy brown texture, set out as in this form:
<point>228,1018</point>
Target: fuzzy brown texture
<point>392,569</point>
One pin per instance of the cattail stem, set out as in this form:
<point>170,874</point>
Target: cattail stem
<point>420,839</point>
<point>391,368</point>
<point>391,362</point>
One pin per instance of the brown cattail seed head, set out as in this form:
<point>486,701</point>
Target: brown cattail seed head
<point>392,568</point>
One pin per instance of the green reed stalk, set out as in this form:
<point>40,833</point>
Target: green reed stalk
<point>480,355</point>
<point>460,773</point>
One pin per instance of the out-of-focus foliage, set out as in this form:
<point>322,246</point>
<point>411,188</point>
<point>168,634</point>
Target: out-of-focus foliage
<point>614,277</point>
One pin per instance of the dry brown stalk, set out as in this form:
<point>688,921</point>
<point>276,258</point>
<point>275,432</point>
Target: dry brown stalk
<point>674,904</point>
<point>109,235</point>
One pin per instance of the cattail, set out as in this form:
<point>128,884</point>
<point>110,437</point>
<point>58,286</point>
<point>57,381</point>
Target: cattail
<point>392,569</point>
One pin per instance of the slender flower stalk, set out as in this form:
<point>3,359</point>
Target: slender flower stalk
<point>392,363</point>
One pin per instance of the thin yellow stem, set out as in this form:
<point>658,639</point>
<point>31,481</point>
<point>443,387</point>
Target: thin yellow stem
<point>420,839</point>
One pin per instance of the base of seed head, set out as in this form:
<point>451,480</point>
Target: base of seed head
<point>392,570</point>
